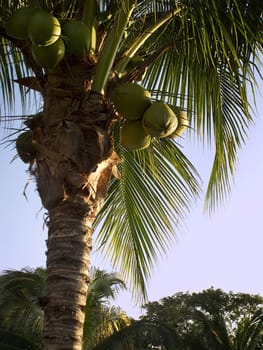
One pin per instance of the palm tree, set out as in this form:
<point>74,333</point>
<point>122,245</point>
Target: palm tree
<point>111,321</point>
<point>210,329</point>
<point>22,295</point>
<point>249,332</point>
<point>21,312</point>
<point>193,53</point>
<point>102,319</point>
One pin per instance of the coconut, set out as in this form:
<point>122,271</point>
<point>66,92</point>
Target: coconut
<point>49,56</point>
<point>17,23</point>
<point>131,100</point>
<point>76,37</point>
<point>183,121</point>
<point>133,136</point>
<point>159,120</point>
<point>25,146</point>
<point>43,28</point>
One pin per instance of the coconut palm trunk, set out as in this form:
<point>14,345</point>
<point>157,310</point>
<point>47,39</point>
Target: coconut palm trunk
<point>67,281</point>
<point>69,245</point>
<point>72,177</point>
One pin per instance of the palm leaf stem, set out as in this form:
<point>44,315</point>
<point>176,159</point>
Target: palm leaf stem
<point>140,68</point>
<point>111,46</point>
<point>89,18</point>
<point>137,44</point>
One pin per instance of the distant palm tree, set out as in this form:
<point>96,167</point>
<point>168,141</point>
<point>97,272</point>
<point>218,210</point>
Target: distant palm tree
<point>102,319</point>
<point>21,309</point>
<point>198,54</point>
<point>211,331</point>
<point>249,332</point>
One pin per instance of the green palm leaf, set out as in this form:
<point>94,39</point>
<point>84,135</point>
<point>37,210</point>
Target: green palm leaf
<point>21,314</point>
<point>104,285</point>
<point>112,320</point>
<point>139,334</point>
<point>230,126</point>
<point>249,333</point>
<point>99,316</point>
<point>143,207</point>
<point>210,61</point>
<point>13,341</point>
<point>12,67</point>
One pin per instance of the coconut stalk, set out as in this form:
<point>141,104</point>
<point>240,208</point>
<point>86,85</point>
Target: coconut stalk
<point>89,18</point>
<point>138,43</point>
<point>111,45</point>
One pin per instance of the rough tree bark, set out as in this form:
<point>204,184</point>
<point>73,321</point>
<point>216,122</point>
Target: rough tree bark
<point>73,162</point>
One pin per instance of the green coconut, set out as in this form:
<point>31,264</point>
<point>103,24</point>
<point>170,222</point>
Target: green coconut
<point>49,56</point>
<point>25,146</point>
<point>159,120</point>
<point>43,28</point>
<point>76,37</point>
<point>133,136</point>
<point>183,121</point>
<point>17,23</point>
<point>131,100</point>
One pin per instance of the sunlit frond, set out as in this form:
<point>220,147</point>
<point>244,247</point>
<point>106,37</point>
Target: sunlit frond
<point>104,285</point>
<point>211,62</point>
<point>112,320</point>
<point>142,211</point>
<point>12,67</point>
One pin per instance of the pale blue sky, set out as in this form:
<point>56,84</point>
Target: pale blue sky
<point>223,250</point>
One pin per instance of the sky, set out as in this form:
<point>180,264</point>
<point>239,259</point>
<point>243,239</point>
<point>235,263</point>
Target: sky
<point>223,250</point>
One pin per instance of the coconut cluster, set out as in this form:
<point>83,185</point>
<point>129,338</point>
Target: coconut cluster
<point>50,38</point>
<point>145,119</point>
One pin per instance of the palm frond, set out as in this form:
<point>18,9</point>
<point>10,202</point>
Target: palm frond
<point>211,61</point>
<point>104,285</point>
<point>230,125</point>
<point>249,333</point>
<point>139,334</point>
<point>112,320</point>
<point>21,313</point>
<point>14,341</point>
<point>12,67</point>
<point>20,295</point>
<point>143,208</point>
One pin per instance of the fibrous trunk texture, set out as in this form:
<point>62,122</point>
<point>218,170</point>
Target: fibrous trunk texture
<point>73,163</point>
<point>69,245</point>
